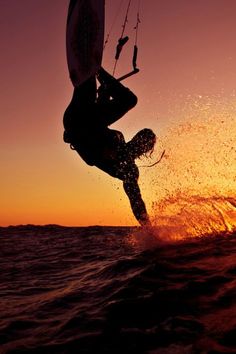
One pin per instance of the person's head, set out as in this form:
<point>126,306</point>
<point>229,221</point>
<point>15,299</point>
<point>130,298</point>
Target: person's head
<point>142,143</point>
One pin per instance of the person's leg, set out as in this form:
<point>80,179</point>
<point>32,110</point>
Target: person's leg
<point>85,93</point>
<point>122,99</point>
<point>84,96</point>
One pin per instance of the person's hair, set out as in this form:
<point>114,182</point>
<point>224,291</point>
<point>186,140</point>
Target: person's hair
<point>142,143</point>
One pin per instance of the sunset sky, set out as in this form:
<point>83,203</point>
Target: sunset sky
<point>186,90</point>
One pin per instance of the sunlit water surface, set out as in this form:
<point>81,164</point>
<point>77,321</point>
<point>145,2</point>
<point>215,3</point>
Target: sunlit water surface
<point>119,289</point>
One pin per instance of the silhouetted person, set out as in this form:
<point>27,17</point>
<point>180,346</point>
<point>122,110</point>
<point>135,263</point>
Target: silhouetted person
<point>86,122</point>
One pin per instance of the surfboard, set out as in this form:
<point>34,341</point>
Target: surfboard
<point>84,38</point>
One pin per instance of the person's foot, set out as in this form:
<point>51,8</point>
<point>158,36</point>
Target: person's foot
<point>103,76</point>
<point>100,75</point>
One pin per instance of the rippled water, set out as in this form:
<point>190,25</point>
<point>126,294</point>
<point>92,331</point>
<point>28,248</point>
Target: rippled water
<point>115,290</point>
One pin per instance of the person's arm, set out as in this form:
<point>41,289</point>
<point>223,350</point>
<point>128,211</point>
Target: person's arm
<point>137,204</point>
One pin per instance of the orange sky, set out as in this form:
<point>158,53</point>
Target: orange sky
<point>186,91</point>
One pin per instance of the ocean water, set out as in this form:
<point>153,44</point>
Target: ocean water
<point>116,290</point>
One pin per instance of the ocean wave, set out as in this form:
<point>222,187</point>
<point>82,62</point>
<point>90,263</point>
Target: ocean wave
<point>91,290</point>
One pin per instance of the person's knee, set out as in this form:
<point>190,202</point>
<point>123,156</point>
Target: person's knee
<point>129,99</point>
<point>133,99</point>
